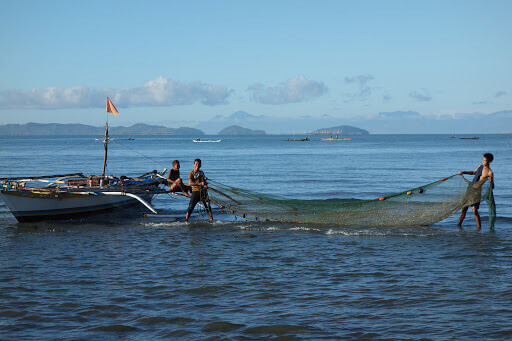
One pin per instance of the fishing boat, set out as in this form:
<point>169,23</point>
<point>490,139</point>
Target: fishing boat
<point>300,140</point>
<point>469,138</point>
<point>336,139</point>
<point>48,197</point>
<point>206,141</point>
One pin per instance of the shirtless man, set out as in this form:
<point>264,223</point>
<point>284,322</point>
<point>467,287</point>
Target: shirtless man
<point>483,171</point>
<point>174,180</point>
<point>197,180</point>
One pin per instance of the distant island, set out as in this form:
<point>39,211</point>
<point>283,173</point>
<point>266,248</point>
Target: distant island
<point>340,130</point>
<point>56,129</point>
<point>83,129</point>
<point>237,130</point>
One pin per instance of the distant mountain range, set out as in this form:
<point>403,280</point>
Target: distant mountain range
<point>83,129</point>
<point>237,130</point>
<point>395,122</point>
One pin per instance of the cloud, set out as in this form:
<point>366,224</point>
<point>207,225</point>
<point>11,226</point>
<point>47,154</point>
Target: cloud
<point>360,79</point>
<point>422,96</point>
<point>500,94</point>
<point>153,93</point>
<point>168,92</point>
<point>293,90</point>
<point>480,102</point>
<point>400,115</point>
<point>364,90</point>
<point>52,98</point>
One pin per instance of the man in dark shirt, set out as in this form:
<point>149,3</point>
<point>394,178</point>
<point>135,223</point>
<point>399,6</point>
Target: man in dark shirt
<point>483,171</point>
<point>174,180</point>
<point>197,180</point>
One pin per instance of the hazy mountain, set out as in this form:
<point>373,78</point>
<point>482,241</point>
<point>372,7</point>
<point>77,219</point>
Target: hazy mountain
<point>82,129</point>
<point>237,130</point>
<point>411,122</point>
<point>395,122</point>
<point>340,130</point>
<point>218,122</point>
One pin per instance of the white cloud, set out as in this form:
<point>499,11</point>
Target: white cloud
<point>421,96</point>
<point>363,89</point>
<point>293,90</point>
<point>157,92</point>
<point>52,98</point>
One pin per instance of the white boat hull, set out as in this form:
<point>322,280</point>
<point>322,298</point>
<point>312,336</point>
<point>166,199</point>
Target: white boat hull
<point>44,206</point>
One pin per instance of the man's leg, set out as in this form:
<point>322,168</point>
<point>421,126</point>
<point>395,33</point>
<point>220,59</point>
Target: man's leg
<point>184,191</point>
<point>208,208</point>
<point>194,199</point>
<point>462,216</point>
<point>477,217</point>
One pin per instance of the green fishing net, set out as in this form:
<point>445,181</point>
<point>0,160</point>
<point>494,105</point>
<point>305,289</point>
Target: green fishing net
<point>423,205</point>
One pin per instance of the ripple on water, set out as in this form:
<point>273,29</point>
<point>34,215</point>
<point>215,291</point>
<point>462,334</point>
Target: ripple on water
<point>277,329</point>
<point>155,320</point>
<point>222,326</point>
<point>114,328</point>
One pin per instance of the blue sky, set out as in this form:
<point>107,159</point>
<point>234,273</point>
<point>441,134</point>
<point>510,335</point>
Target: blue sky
<point>178,63</point>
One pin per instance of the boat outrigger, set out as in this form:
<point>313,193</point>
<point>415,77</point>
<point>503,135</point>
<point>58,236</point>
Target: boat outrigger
<point>62,196</point>
<point>205,141</point>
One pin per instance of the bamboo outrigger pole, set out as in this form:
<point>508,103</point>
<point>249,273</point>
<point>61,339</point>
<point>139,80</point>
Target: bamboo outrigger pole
<point>105,142</point>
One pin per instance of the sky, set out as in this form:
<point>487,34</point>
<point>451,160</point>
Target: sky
<point>178,63</point>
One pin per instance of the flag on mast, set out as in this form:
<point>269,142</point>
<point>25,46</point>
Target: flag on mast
<point>111,108</point>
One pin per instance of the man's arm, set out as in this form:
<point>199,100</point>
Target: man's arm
<point>468,172</point>
<point>490,175</point>
<point>191,181</point>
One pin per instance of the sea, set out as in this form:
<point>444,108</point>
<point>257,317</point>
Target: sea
<point>128,277</point>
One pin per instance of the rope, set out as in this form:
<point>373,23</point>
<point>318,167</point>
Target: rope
<point>55,164</point>
<point>147,157</point>
<point>44,155</point>
<point>135,160</point>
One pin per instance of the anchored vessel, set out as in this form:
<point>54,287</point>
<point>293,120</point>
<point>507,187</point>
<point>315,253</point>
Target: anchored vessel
<point>199,140</point>
<point>62,196</point>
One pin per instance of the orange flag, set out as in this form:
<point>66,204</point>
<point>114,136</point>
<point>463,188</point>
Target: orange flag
<point>111,108</point>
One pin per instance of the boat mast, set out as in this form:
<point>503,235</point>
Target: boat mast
<point>110,109</point>
<point>105,142</point>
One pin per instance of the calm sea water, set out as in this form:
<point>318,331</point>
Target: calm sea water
<point>141,278</point>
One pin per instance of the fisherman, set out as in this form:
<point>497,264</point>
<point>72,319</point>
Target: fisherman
<point>482,172</point>
<point>174,181</point>
<point>197,180</point>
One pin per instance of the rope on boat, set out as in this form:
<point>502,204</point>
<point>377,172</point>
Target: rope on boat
<point>145,156</point>
<point>60,161</point>
<point>44,155</point>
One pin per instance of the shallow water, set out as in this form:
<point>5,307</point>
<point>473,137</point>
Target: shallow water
<point>110,278</point>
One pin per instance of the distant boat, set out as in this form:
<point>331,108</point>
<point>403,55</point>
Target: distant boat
<point>469,138</point>
<point>453,137</point>
<point>336,139</point>
<point>304,139</point>
<point>199,140</point>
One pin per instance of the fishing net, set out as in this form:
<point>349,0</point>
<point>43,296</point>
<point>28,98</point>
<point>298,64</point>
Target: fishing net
<point>424,205</point>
